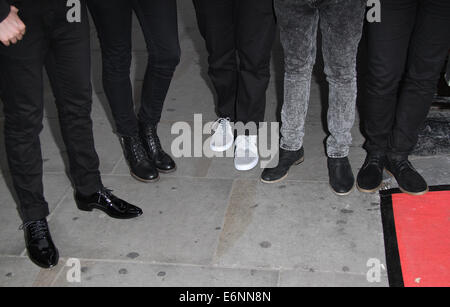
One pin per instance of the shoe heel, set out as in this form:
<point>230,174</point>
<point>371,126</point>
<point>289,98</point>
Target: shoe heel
<point>84,207</point>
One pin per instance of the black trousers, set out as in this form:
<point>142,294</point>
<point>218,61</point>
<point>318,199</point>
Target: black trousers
<point>407,51</point>
<point>158,19</point>
<point>244,29</point>
<point>64,49</point>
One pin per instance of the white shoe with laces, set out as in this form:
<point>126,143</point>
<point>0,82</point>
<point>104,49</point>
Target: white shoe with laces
<point>223,136</point>
<point>246,153</point>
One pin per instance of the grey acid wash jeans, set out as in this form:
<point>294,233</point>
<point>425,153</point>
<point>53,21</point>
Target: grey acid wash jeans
<point>341,23</point>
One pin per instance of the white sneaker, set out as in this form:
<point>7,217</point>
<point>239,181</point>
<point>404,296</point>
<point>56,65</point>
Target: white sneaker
<point>246,152</point>
<point>223,136</point>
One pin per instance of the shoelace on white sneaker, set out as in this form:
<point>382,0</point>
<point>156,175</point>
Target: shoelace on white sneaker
<point>221,124</point>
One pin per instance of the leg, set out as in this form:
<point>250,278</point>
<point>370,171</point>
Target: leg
<point>68,67</point>
<point>298,26</point>
<point>341,26</point>
<point>113,21</point>
<point>22,95</point>
<point>387,55</point>
<point>159,23</point>
<point>216,23</point>
<point>255,36</point>
<point>427,53</point>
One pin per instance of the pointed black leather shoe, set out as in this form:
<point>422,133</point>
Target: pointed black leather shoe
<point>341,176</point>
<point>105,201</point>
<point>163,162</point>
<point>370,176</point>
<point>40,247</point>
<point>286,160</point>
<point>408,179</point>
<point>141,166</point>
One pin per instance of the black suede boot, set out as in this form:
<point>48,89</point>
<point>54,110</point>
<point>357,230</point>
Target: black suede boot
<point>286,160</point>
<point>408,179</point>
<point>141,166</point>
<point>163,162</point>
<point>341,176</point>
<point>370,176</point>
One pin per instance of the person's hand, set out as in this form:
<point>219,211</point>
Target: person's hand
<point>12,29</point>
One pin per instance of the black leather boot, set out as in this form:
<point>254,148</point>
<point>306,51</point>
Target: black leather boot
<point>286,160</point>
<point>105,201</point>
<point>370,176</point>
<point>341,176</point>
<point>141,166</point>
<point>408,179</point>
<point>163,162</point>
<point>40,247</point>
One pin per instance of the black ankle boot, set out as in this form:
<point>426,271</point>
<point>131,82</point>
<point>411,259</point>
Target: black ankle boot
<point>408,179</point>
<point>341,176</point>
<point>107,202</point>
<point>40,247</point>
<point>370,176</point>
<point>286,160</point>
<point>163,162</point>
<point>141,166</point>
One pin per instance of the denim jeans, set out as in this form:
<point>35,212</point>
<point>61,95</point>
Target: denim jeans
<point>406,53</point>
<point>158,20</point>
<point>64,49</point>
<point>341,23</point>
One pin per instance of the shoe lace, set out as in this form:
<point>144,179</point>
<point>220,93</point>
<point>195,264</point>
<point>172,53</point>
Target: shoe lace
<point>138,150</point>
<point>404,165</point>
<point>153,139</point>
<point>221,124</point>
<point>38,229</point>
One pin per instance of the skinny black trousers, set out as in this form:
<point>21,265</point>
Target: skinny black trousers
<point>407,51</point>
<point>158,20</point>
<point>243,29</point>
<point>64,49</point>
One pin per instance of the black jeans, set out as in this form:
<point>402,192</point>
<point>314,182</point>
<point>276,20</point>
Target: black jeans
<point>244,28</point>
<point>158,20</point>
<point>407,51</point>
<point>64,49</point>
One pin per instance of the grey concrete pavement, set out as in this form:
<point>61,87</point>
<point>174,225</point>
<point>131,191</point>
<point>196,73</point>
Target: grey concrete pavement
<point>206,224</point>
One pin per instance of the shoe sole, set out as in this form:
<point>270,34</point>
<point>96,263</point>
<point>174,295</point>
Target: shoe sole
<point>221,148</point>
<point>285,176</point>
<point>144,180</point>
<point>167,171</point>
<point>92,206</point>
<point>408,192</point>
<point>343,194</point>
<point>247,167</point>
<point>369,191</point>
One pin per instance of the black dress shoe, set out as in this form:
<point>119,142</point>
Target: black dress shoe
<point>408,179</point>
<point>341,176</point>
<point>163,162</point>
<point>370,176</point>
<point>41,249</point>
<point>105,201</point>
<point>141,166</point>
<point>286,160</point>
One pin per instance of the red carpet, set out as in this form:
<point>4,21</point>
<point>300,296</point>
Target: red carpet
<point>417,237</point>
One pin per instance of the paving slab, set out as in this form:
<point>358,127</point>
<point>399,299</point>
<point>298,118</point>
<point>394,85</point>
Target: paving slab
<point>297,278</point>
<point>17,272</point>
<point>181,222</point>
<point>114,274</point>
<point>300,225</point>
